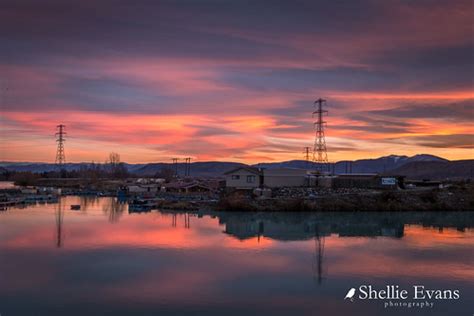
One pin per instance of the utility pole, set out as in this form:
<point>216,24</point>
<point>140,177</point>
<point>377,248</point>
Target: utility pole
<point>187,169</point>
<point>307,154</point>
<point>320,155</point>
<point>175,165</point>
<point>60,139</point>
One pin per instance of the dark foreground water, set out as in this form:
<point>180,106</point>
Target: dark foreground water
<point>102,260</point>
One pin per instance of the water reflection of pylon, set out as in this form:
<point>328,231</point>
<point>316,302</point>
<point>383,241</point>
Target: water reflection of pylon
<point>318,256</point>
<point>59,224</point>
<point>187,220</point>
<point>173,220</point>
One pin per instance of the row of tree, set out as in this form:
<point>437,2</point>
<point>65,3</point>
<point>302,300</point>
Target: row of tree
<point>113,168</point>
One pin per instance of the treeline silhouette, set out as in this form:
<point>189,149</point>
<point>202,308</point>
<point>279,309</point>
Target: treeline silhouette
<point>91,171</point>
<point>112,168</point>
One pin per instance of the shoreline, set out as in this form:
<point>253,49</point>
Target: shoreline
<point>457,197</point>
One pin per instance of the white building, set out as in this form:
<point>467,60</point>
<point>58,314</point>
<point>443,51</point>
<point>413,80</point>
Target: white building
<point>29,190</point>
<point>243,178</point>
<point>143,188</point>
<point>284,177</point>
<point>250,178</point>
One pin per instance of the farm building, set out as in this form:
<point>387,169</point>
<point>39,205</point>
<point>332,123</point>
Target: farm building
<point>367,181</point>
<point>284,177</point>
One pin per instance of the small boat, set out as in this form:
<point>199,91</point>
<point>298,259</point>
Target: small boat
<point>75,207</point>
<point>142,205</point>
<point>139,208</point>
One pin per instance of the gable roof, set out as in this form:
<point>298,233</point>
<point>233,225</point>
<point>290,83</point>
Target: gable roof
<point>253,170</point>
<point>185,185</point>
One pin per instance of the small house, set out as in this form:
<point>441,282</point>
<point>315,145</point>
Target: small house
<point>187,187</point>
<point>244,177</point>
<point>29,190</point>
<point>142,188</point>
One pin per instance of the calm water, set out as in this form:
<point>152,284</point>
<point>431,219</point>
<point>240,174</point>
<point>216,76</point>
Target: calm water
<point>102,260</point>
<point>7,184</point>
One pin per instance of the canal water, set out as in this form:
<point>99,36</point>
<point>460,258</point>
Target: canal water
<point>103,260</point>
<point>7,185</point>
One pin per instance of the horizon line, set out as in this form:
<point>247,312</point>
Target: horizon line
<point>229,161</point>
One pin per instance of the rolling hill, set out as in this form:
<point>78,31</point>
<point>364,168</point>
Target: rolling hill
<point>416,167</point>
<point>437,170</point>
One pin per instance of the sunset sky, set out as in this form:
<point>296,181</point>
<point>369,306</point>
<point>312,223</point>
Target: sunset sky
<point>235,80</point>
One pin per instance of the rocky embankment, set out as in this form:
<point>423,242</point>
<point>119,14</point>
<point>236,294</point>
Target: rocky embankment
<point>454,198</point>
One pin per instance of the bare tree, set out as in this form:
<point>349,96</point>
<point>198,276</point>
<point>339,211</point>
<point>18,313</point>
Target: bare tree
<point>114,159</point>
<point>116,168</point>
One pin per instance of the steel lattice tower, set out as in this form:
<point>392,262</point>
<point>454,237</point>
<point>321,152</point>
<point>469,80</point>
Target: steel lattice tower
<point>60,134</point>
<point>320,155</point>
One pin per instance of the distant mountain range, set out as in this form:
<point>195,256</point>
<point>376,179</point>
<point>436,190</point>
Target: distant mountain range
<point>200,169</point>
<point>417,167</point>
<point>437,170</point>
<point>382,164</point>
